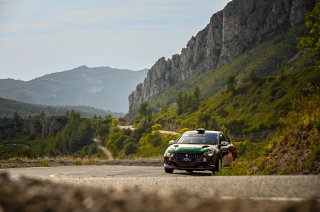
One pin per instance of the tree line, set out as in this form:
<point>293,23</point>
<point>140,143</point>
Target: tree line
<point>188,102</point>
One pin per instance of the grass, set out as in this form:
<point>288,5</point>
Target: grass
<point>264,60</point>
<point>293,149</point>
<point>76,161</point>
<point>252,157</point>
<point>256,104</point>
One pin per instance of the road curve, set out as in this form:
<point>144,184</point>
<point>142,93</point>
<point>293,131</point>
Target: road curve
<point>152,179</point>
<point>130,127</point>
<point>103,149</point>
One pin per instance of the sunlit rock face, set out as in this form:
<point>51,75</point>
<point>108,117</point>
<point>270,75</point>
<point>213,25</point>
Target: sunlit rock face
<point>241,25</point>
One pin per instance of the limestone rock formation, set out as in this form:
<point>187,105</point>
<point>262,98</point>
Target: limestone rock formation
<point>34,126</point>
<point>241,25</point>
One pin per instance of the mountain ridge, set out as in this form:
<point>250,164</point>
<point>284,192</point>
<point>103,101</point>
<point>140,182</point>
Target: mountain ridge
<point>94,87</point>
<point>237,28</point>
<point>8,107</point>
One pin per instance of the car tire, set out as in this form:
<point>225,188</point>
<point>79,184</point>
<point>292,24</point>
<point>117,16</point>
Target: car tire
<point>218,166</point>
<point>170,171</point>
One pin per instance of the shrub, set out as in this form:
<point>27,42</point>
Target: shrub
<point>222,112</point>
<point>130,148</point>
<point>237,127</point>
<point>183,130</point>
<point>156,127</point>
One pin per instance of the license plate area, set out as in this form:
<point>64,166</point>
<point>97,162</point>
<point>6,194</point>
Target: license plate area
<point>186,159</point>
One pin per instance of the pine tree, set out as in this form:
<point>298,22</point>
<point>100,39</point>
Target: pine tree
<point>179,101</point>
<point>311,42</point>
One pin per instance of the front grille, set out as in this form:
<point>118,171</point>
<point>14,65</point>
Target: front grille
<point>188,159</point>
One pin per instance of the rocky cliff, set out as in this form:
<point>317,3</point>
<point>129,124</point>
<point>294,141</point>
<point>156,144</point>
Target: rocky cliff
<point>242,24</point>
<point>34,126</point>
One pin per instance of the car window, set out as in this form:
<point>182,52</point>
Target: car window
<point>193,138</point>
<point>222,137</point>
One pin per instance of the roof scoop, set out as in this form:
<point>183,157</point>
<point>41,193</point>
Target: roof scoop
<point>201,130</point>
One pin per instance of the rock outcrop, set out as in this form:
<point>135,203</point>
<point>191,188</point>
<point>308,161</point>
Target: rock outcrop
<point>34,126</point>
<point>241,25</point>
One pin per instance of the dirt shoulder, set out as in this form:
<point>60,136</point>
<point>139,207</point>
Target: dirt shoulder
<point>49,162</point>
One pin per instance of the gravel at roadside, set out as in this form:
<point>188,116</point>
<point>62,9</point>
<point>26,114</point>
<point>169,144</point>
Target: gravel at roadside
<point>27,194</point>
<point>49,162</point>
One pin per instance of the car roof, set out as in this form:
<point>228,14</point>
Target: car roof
<point>206,131</point>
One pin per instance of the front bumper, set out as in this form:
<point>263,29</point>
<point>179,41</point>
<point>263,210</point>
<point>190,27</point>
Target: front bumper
<point>200,164</point>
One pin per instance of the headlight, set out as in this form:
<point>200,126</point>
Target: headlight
<point>167,154</point>
<point>208,153</point>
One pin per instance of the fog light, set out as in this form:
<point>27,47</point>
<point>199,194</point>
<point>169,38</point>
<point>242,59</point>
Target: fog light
<point>171,158</point>
<point>204,159</point>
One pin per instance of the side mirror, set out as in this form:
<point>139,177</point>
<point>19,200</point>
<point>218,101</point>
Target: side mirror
<point>224,143</point>
<point>172,142</point>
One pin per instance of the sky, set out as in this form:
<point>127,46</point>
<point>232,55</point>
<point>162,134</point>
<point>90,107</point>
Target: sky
<point>39,37</point>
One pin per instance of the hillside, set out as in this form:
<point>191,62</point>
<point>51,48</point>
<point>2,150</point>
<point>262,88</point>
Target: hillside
<point>267,78</point>
<point>239,27</point>
<point>101,87</point>
<point>9,107</point>
<point>265,96</point>
<point>267,71</point>
<point>259,88</point>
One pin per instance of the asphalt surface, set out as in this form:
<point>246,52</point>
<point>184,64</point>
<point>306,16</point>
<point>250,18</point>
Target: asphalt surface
<point>153,179</point>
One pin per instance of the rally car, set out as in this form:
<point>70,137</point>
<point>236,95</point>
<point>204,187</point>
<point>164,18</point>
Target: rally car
<point>199,150</point>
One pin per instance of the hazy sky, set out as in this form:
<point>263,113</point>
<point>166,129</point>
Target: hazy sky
<point>38,37</point>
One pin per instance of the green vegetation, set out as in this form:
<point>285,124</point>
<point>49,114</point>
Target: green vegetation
<point>250,94</point>
<point>27,137</point>
<point>75,134</point>
<point>145,141</point>
<point>311,41</point>
<point>154,144</point>
<point>265,60</point>
<point>296,145</point>
<point>250,98</point>
<point>267,99</point>
<point>293,149</point>
<point>251,160</point>
<point>9,107</point>
<point>188,102</point>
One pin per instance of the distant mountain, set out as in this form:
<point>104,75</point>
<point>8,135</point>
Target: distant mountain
<point>101,87</point>
<point>8,107</point>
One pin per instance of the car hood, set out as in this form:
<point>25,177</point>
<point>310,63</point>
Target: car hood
<point>191,148</point>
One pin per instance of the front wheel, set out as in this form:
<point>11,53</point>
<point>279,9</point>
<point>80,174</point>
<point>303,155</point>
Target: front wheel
<point>170,171</point>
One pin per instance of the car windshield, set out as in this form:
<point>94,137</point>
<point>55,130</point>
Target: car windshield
<point>194,138</point>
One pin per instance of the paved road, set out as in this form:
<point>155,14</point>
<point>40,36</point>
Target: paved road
<point>203,183</point>
<point>161,131</point>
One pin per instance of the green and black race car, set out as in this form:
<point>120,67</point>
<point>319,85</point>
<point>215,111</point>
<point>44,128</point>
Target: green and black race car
<point>199,150</point>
